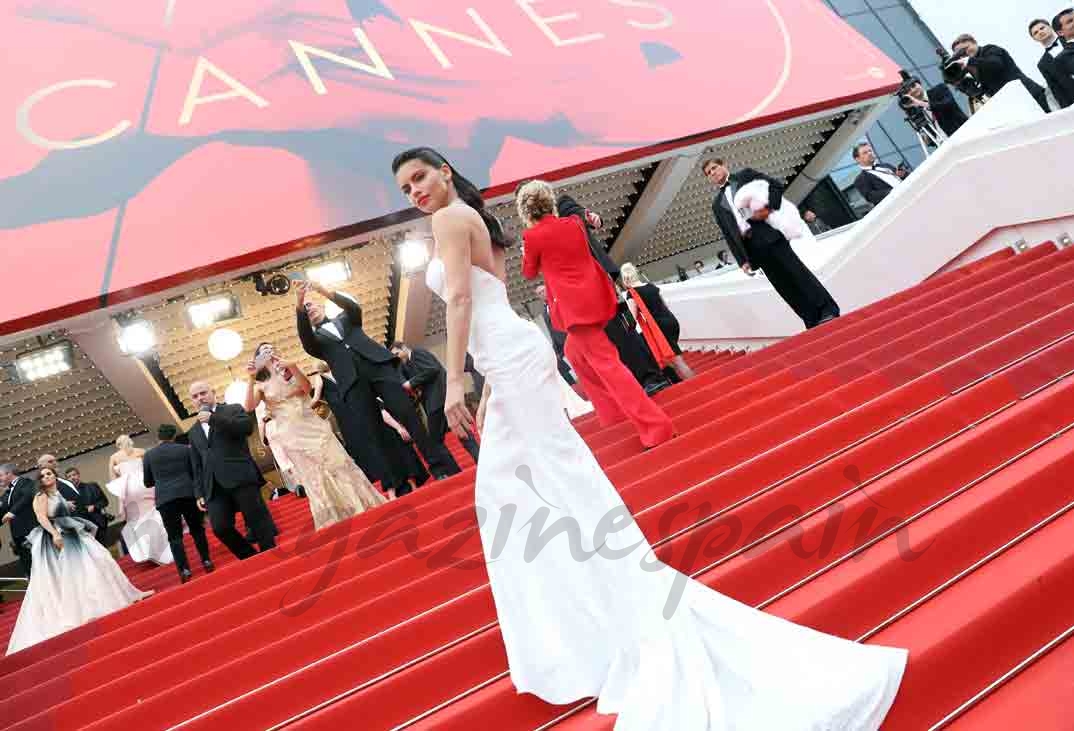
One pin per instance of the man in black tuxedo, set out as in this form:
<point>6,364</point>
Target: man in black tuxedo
<point>1060,84</point>
<point>427,380</point>
<point>876,179</point>
<point>365,370</point>
<point>92,503</point>
<point>226,478</point>
<point>1063,25</point>
<point>16,502</point>
<point>169,469</point>
<point>756,245</point>
<point>994,68</point>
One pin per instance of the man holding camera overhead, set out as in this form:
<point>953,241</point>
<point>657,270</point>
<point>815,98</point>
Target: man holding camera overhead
<point>993,67</point>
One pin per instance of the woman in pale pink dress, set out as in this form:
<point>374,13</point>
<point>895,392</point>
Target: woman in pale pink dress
<point>336,487</point>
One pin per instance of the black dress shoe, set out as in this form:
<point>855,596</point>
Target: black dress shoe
<point>185,576</point>
<point>208,566</point>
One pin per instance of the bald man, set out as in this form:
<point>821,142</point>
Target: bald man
<point>226,478</point>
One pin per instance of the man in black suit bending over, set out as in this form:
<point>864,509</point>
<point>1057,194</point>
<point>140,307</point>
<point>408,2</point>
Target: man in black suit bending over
<point>426,380</point>
<point>364,370</point>
<point>226,478</point>
<point>994,68</point>
<point>756,245</point>
<point>16,505</point>
<point>92,502</point>
<point>169,468</point>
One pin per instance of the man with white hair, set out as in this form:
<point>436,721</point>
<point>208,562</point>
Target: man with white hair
<point>226,478</point>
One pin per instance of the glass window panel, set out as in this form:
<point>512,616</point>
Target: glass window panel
<point>881,142</point>
<point>869,26</point>
<point>893,121</point>
<point>912,37</point>
<point>914,155</point>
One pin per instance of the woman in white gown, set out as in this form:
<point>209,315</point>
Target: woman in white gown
<point>73,578</point>
<point>662,651</point>
<point>143,533</point>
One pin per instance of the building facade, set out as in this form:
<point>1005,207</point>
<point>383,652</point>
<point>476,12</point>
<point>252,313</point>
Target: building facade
<point>897,30</point>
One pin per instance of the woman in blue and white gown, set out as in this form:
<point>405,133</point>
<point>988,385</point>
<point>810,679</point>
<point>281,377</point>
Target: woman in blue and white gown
<point>664,652</point>
<point>73,578</point>
<point>143,532</point>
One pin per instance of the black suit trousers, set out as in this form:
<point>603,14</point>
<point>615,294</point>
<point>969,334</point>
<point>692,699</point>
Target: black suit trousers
<point>173,513</point>
<point>245,499</point>
<point>791,279</point>
<point>22,552</point>
<point>385,382</point>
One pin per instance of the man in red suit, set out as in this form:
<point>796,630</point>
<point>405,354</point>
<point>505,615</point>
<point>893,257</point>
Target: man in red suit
<point>581,301</point>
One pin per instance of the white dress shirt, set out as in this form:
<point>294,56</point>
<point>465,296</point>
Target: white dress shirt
<point>205,426</point>
<point>331,329</point>
<point>886,175</point>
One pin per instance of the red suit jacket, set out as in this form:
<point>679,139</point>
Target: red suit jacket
<point>579,292</point>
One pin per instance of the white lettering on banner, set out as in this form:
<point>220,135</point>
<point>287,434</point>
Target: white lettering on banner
<point>545,24</point>
<point>666,22</point>
<point>25,128</point>
<point>237,90</point>
<point>377,68</point>
<point>425,32</point>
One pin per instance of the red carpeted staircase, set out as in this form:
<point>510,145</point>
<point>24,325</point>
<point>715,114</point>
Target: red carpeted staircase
<point>899,476</point>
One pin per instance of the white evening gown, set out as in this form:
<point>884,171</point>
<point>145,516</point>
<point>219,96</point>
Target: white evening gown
<point>144,531</point>
<point>576,628</point>
<point>68,587</point>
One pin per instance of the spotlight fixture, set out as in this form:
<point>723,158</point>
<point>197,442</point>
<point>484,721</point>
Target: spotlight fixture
<point>225,344</point>
<point>413,255</point>
<point>207,312</point>
<point>136,337</point>
<point>50,361</point>
<point>329,272</point>
<point>276,284</point>
<point>235,393</point>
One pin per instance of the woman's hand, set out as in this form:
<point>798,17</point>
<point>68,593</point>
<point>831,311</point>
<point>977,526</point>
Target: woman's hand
<point>57,541</point>
<point>459,417</point>
<point>404,434</point>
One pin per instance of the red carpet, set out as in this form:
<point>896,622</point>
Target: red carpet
<point>898,476</point>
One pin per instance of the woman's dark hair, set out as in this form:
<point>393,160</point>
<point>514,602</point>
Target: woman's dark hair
<point>469,193</point>
<point>263,374</point>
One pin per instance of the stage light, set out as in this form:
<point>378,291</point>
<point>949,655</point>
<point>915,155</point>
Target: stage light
<point>236,393</point>
<point>225,344</point>
<point>329,272</point>
<point>46,362</point>
<point>137,338</point>
<point>413,255</point>
<point>207,312</point>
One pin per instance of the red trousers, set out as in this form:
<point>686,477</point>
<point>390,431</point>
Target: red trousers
<point>611,388</point>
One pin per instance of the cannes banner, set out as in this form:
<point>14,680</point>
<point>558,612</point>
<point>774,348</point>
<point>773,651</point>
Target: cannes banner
<point>156,142</point>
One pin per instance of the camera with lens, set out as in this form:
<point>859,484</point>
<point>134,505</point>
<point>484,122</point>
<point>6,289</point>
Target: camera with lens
<point>914,107</point>
<point>959,76</point>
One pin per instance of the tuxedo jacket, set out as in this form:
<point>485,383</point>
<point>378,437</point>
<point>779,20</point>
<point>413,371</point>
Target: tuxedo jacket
<point>222,459</point>
<point>169,469</point>
<point>350,358</point>
<point>424,371</point>
<point>1058,71</point>
<point>760,235</point>
<point>18,500</point>
<point>92,494</point>
<point>994,69</point>
<point>579,290</point>
<point>949,114</point>
<point>567,206</point>
<point>871,187</point>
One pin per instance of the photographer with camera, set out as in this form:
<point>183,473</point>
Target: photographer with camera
<point>1060,83</point>
<point>934,115</point>
<point>876,179</point>
<point>991,66</point>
